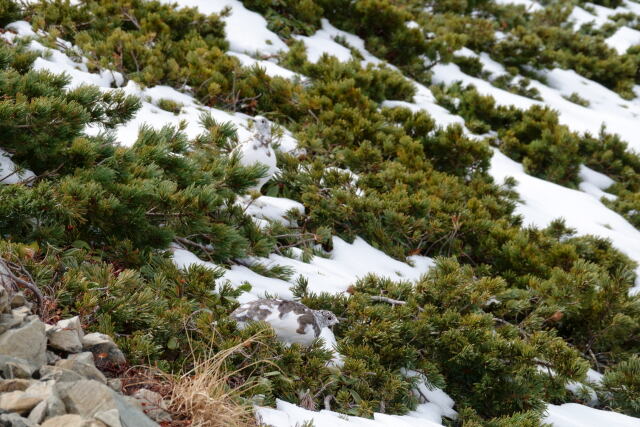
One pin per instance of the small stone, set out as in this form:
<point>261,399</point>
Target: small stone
<point>133,402</point>
<point>115,384</point>
<point>38,413</point>
<point>66,335</point>
<point>102,346</point>
<point>15,420</point>
<point>14,367</point>
<point>52,357</point>
<point>88,397</point>
<point>27,342</point>
<point>18,401</point>
<point>153,405</point>
<point>14,384</point>
<point>85,357</point>
<point>18,300</point>
<point>8,321</point>
<point>59,374</point>
<point>23,312</point>
<point>88,371</point>
<point>41,389</point>
<point>111,418</point>
<point>4,298</point>
<point>52,406</point>
<point>71,323</point>
<point>68,420</point>
<point>55,406</point>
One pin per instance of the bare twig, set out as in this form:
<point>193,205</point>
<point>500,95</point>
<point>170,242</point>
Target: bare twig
<point>184,241</point>
<point>6,271</point>
<point>391,301</point>
<point>388,300</point>
<point>131,18</point>
<point>9,176</point>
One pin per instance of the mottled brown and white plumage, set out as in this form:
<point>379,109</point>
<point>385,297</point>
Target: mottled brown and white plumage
<point>292,321</point>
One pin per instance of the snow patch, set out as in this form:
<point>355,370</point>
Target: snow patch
<point>575,415</point>
<point>10,173</point>
<point>543,201</point>
<point>272,70</point>
<point>245,30</point>
<point>623,39</point>
<point>289,415</point>
<point>322,41</point>
<point>530,5</point>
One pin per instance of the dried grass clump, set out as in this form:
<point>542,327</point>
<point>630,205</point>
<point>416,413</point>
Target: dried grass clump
<point>203,394</point>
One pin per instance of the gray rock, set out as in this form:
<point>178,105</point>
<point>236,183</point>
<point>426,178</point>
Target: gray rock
<point>133,402</point>
<point>27,341</point>
<point>14,367</point>
<point>87,371</point>
<point>4,298</point>
<point>59,374</point>
<point>8,321</point>
<point>154,405</point>
<point>85,357</point>
<point>15,420</point>
<point>68,420</point>
<point>51,407</point>
<point>115,384</point>
<point>111,417</point>
<point>71,323</point>
<point>38,413</point>
<point>42,389</point>
<point>87,398</point>
<point>22,312</point>
<point>14,384</point>
<point>18,401</point>
<point>18,300</point>
<point>103,345</point>
<point>52,357</point>
<point>55,406</point>
<point>67,335</point>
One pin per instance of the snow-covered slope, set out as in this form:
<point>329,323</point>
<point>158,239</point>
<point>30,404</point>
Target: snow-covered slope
<point>541,201</point>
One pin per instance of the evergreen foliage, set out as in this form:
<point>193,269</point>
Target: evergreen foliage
<point>621,386</point>
<point>503,322</point>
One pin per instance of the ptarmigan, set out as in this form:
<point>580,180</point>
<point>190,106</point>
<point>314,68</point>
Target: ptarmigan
<point>257,149</point>
<point>292,321</point>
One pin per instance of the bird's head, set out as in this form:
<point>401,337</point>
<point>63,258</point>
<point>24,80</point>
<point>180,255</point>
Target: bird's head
<point>327,318</point>
<point>262,126</point>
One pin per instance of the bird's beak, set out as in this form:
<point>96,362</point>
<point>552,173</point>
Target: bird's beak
<point>252,119</point>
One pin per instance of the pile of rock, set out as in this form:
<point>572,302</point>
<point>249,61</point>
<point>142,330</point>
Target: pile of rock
<point>39,387</point>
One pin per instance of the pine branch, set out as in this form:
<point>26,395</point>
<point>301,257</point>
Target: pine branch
<point>184,241</point>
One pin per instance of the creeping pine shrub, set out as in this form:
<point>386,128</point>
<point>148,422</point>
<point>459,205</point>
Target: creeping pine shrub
<point>608,154</point>
<point>289,17</point>
<point>383,26</point>
<point>549,46</point>
<point>39,118</point>
<point>443,328</point>
<point>9,12</point>
<point>93,193</point>
<point>534,137</point>
<point>155,43</point>
<point>502,337</point>
<point>621,387</point>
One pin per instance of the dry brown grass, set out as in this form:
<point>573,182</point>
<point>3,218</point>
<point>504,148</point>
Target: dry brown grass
<point>203,394</point>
